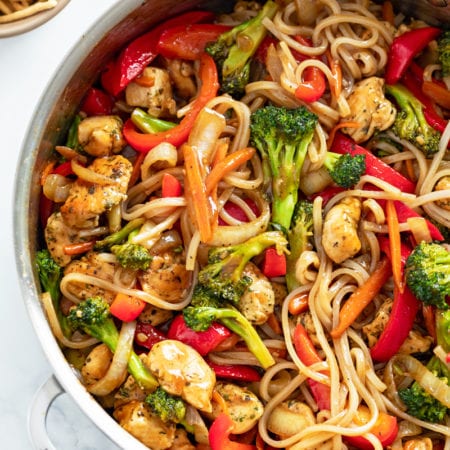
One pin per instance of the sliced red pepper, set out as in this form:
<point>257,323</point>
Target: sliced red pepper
<point>404,310</point>
<point>178,135</point>
<point>126,308</point>
<point>327,194</point>
<point>385,429</point>
<point>308,355</point>
<point>374,166</point>
<point>274,264</point>
<point>45,210</point>
<point>146,335</point>
<point>189,40</point>
<point>235,372</point>
<point>64,169</point>
<point>78,248</point>
<point>236,211</point>
<point>97,103</point>
<point>202,341</point>
<point>439,94</point>
<point>219,435</point>
<point>404,49</point>
<point>171,186</point>
<point>137,55</point>
<point>261,53</point>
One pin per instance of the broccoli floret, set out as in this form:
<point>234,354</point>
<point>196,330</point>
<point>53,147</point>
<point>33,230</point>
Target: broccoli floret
<point>410,123</point>
<point>119,236</point>
<point>50,274</point>
<point>420,403</point>
<point>345,170</point>
<point>200,318</point>
<point>299,239</point>
<point>282,136</point>
<point>168,407</point>
<point>132,256</point>
<point>444,52</point>
<point>223,273</point>
<point>94,318</point>
<point>233,50</point>
<point>428,273</point>
<point>443,329</point>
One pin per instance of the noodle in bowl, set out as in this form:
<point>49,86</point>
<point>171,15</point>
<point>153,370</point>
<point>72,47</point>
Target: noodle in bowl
<point>354,35</point>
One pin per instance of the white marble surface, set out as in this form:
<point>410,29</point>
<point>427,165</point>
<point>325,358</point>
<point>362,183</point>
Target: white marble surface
<point>27,62</point>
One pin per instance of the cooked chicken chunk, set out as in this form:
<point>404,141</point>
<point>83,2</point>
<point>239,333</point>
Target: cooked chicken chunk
<point>418,444</point>
<point>289,418</point>
<point>96,364</point>
<point>57,235</point>
<point>152,90</point>
<point>137,418</point>
<point>182,441</point>
<point>129,391</point>
<point>306,320</point>
<point>87,201</point>
<point>101,135</point>
<point>182,75</point>
<point>340,230</point>
<point>91,264</point>
<point>370,108</point>
<point>441,185</point>
<point>243,406</point>
<point>155,316</point>
<point>181,371</point>
<point>258,301</point>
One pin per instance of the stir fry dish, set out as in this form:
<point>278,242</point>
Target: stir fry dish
<point>246,230</point>
<point>12,10</point>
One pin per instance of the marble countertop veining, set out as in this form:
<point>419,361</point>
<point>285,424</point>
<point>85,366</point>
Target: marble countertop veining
<point>27,63</point>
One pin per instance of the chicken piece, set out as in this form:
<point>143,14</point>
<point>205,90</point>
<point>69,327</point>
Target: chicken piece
<point>87,200</point>
<point>370,108</point>
<point>182,75</point>
<point>441,185</point>
<point>137,418</point>
<point>415,341</point>
<point>306,320</point>
<point>258,301</point>
<point>182,441</point>
<point>167,276</point>
<point>152,90</point>
<point>57,235</point>
<point>101,135</point>
<point>91,264</point>
<point>280,291</point>
<point>418,444</point>
<point>289,418</point>
<point>340,230</point>
<point>96,364</point>
<point>155,316</point>
<point>129,391</point>
<point>243,406</point>
<point>181,371</point>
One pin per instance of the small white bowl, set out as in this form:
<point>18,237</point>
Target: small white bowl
<point>30,22</point>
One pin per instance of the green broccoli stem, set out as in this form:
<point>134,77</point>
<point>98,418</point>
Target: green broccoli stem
<point>243,328</point>
<point>119,236</point>
<point>149,124</point>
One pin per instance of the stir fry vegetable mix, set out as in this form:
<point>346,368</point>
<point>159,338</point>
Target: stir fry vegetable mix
<point>247,231</point>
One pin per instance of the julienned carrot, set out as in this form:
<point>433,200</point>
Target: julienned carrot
<point>387,11</point>
<point>395,245</point>
<point>273,323</point>
<point>136,168</point>
<point>428,312</point>
<point>338,127</point>
<point>362,297</point>
<point>78,248</point>
<point>217,398</point>
<point>298,303</point>
<point>231,162</point>
<point>410,170</point>
<point>336,71</point>
<point>201,209</point>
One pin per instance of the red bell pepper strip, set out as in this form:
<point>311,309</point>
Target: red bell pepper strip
<point>146,335</point>
<point>404,310</point>
<point>235,372</point>
<point>308,355</point>
<point>405,48</point>
<point>236,211</point>
<point>45,210</point>
<point>97,103</point>
<point>327,194</point>
<point>170,187</point>
<point>414,85</point>
<point>64,169</point>
<point>374,166</point>
<point>126,308</point>
<point>137,55</point>
<point>274,264</point>
<point>189,40</point>
<point>78,248</point>
<point>178,135</point>
<point>202,341</point>
<point>219,433</point>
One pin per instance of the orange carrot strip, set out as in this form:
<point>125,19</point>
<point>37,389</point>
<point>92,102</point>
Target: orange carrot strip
<point>336,71</point>
<point>362,297</point>
<point>395,244</point>
<point>298,304</point>
<point>337,127</point>
<point>429,318</point>
<point>48,169</point>
<point>135,174</point>
<point>226,165</point>
<point>387,12</point>
<point>410,170</point>
<point>221,152</point>
<point>273,323</point>
<point>145,81</point>
<point>217,398</point>
<point>201,209</point>
<point>78,248</point>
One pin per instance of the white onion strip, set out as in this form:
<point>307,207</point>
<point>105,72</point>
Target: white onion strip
<point>117,370</point>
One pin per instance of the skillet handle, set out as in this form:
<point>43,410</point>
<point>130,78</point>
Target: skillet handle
<point>37,415</point>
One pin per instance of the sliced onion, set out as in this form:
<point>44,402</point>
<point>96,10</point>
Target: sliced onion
<point>194,419</point>
<point>56,187</point>
<point>69,153</point>
<point>429,382</point>
<point>419,229</point>
<point>89,175</point>
<point>117,370</point>
<point>164,154</point>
